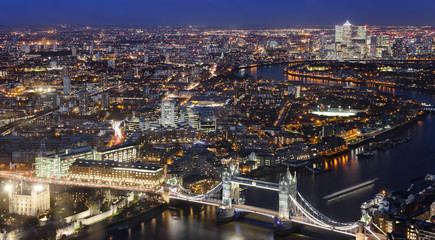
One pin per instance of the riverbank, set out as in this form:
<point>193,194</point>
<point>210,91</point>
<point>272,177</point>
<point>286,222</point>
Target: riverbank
<point>296,74</point>
<point>362,83</point>
<point>266,171</point>
<point>120,221</point>
<point>384,132</point>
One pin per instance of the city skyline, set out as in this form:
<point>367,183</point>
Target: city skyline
<point>162,119</point>
<point>218,13</point>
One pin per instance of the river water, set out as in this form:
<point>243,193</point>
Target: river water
<point>393,167</point>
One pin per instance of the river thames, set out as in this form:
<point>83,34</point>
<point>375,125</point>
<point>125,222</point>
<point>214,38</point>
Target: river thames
<point>393,167</point>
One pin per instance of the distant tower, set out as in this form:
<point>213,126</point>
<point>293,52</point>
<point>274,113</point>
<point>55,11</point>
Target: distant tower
<point>66,83</point>
<point>136,72</point>
<point>145,59</point>
<point>105,100</point>
<point>343,34</point>
<point>338,34</point>
<point>111,63</point>
<point>298,92</point>
<point>147,90</point>
<point>42,148</point>
<point>167,58</point>
<point>361,33</point>
<point>347,32</point>
<point>168,113</point>
<point>74,51</point>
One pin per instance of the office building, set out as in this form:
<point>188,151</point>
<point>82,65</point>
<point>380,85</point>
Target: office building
<point>169,111</point>
<point>119,153</point>
<point>361,33</point>
<point>66,85</point>
<point>57,165</point>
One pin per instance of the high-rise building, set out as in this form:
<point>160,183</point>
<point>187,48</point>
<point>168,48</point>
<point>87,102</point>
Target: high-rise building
<point>168,113</point>
<point>66,85</point>
<point>361,33</point>
<point>73,51</point>
<point>111,63</point>
<point>347,32</point>
<point>338,34</point>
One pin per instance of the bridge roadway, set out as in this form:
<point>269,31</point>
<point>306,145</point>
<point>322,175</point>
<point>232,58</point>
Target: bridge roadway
<point>256,183</point>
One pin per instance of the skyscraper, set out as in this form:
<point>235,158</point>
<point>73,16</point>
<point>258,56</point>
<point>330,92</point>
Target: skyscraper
<point>347,32</point>
<point>168,113</point>
<point>338,34</point>
<point>73,51</point>
<point>66,85</point>
<point>111,63</point>
<point>361,33</point>
<point>343,34</point>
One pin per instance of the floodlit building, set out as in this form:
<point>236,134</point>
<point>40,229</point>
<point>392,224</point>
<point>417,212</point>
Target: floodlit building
<point>169,116</point>
<point>117,173</point>
<point>30,202</point>
<point>57,165</point>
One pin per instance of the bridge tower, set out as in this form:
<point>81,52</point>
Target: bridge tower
<point>361,231</point>
<point>287,188</point>
<point>230,191</point>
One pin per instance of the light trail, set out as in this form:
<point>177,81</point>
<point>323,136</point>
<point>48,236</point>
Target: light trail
<point>118,132</point>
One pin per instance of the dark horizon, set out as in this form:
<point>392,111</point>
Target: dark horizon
<point>218,13</point>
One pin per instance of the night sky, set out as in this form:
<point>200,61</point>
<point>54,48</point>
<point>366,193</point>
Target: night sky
<point>217,12</point>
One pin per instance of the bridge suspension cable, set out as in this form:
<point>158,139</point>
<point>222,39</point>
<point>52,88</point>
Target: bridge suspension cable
<point>321,215</point>
<point>319,222</point>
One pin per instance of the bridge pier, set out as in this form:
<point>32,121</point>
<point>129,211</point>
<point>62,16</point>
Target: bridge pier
<point>282,227</point>
<point>226,214</point>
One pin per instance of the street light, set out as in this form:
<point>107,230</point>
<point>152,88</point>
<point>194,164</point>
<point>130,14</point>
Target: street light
<point>37,188</point>
<point>8,188</point>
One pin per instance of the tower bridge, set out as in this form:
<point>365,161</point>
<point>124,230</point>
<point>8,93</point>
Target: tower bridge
<point>293,209</point>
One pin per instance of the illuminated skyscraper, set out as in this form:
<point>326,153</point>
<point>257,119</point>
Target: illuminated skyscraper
<point>168,114</point>
<point>343,34</point>
<point>338,34</point>
<point>347,32</point>
<point>66,82</point>
<point>361,33</point>
<point>111,63</point>
<point>73,51</point>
